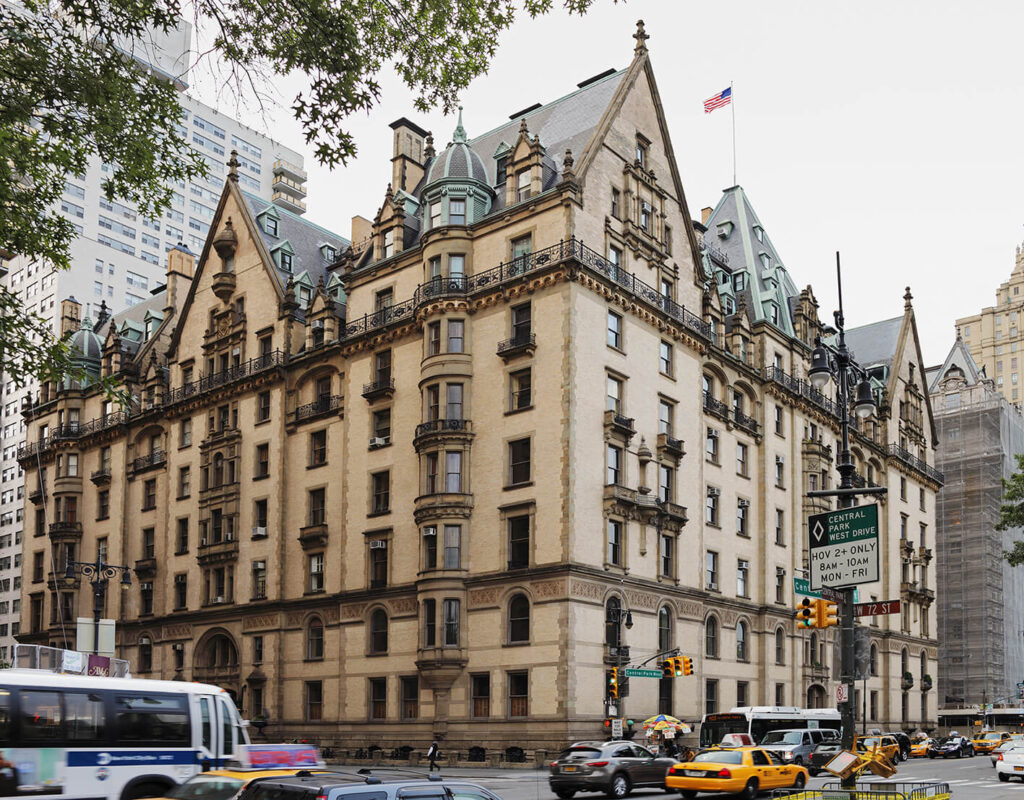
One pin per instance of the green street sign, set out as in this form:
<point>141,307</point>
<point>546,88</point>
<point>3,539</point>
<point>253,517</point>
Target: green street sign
<point>802,586</point>
<point>635,672</point>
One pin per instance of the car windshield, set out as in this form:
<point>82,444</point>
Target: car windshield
<point>575,753</point>
<point>206,787</point>
<point>783,737</point>
<point>992,736</point>
<point>870,742</point>
<point>719,757</point>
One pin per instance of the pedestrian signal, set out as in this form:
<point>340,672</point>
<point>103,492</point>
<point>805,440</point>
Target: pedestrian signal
<point>826,614</point>
<point>687,665</point>
<point>667,669</point>
<point>613,682</point>
<point>805,614</point>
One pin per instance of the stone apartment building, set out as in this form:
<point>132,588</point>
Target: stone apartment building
<point>532,423</point>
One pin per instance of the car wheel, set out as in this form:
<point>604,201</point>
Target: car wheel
<point>619,787</point>
<point>689,794</point>
<point>750,790</point>
<point>798,762</point>
<point>800,781</point>
<point>931,755</point>
<point>566,794</point>
<point>1004,777</point>
<point>814,773</point>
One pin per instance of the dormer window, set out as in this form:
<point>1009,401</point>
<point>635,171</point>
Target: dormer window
<point>739,281</point>
<point>641,152</point>
<point>435,214</point>
<point>766,260</point>
<point>270,225</point>
<point>329,252</point>
<point>774,314</point>
<point>304,294</point>
<point>389,243</point>
<point>523,185</point>
<point>457,212</point>
<point>500,171</point>
<point>284,259</point>
<point>759,233</point>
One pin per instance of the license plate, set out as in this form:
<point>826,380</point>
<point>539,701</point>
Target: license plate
<point>693,773</point>
<point>1018,769</point>
<point>568,769</point>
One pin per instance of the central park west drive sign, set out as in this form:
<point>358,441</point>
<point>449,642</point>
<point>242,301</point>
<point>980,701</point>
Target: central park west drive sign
<point>844,547</point>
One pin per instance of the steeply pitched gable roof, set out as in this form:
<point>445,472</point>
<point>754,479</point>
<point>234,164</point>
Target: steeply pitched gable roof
<point>876,343</point>
<point>958,357</point>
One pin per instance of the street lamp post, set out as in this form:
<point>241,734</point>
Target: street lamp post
<point>98,572</point>
<point>618,617</point>
<point>830,362</point>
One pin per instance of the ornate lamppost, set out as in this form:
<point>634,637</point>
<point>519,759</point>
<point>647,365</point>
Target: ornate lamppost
<point>98,573</point>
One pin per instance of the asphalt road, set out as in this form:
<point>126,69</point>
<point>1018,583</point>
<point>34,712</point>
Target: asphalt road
<point>968,778</point>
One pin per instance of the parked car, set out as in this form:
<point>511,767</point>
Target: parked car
<point>956,746</point>
<point>223,784</point>
<point>1010,764</point>
<point>903,740</point>
<point>743,770</point>
<point>794,744</point>
<point>989,741</point>
<point>919,746</point>
<point>615,768</point>
<point>1009,744</point>
<point>340,785</point>
<point>822,754</point>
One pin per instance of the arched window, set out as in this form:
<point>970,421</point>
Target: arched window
<point>924,663</point>
<point>145,654</point>
<point>664,629</point>
<point>813,654</point>
<point>780,646</point>
<point>612,617</point>
<point>220,652</point>
<point>519,619</point>
<point>873,660</point>
<point>379,631</point>
<point>742,641</point>
<point>315,639</point>
<point>711,637</point>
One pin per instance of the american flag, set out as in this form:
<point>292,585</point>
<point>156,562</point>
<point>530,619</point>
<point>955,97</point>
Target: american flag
<point>723,98</point>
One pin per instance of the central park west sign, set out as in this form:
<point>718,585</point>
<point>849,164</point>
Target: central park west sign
<point>844,547</point>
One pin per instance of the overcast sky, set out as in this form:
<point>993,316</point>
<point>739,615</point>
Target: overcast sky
<point>888,131</point>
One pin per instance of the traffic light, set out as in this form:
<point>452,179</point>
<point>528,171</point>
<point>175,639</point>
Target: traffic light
<point>613,683</point>
<point>667,668</point>
<point>677,667</point>
<point>805,614</point>
<point>687,665</point>
<point>826,614</point>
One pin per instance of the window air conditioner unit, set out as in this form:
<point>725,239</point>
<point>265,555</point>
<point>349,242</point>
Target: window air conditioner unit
<point>218,599</point>
<point>379,544</point>
<point>378,441</point>
<point>713,492</point>
<point>259,530</point>
<point>712,433</point>
<point>202,542</point>
<point>712,587</point>
<point>228,537</point>
<point>743,503</point>
<point>430,531</point>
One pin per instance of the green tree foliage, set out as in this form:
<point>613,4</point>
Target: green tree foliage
<point>70,92</point>
<point>1011,511</point>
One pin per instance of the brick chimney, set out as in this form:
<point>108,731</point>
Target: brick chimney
<point>408,159</point>
<point>181,265</point>
<point>705,215</point>
<point>70,316</point>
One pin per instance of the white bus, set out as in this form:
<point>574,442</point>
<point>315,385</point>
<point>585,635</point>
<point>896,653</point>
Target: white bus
<point>77,737</point>
<point>758,720</point>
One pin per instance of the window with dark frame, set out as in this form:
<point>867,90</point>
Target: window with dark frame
<point>317,448</point>
<point>314,700</point>
<point>315,640</point>
<point>613,552</point>
<point>262,460</point>
<point>429,547</point>
<point>451,611</point>
<point>378,563</point>
<point>382,424</point>
<point>456,336</point>
<point>379,631</point>
<point>480,691</point>
<point>317,506</point>
<point>429,623</point>
<point>519,541</point>
<point>181,543</point>
<point>522,323</point>
<point>518,619</point>
<point>518,694</point>
<point>666,555</point>
<point>381,500</point>
<point>149,495</point>
<point>614,330</point>
<point>433,337</point>
<point>520,390</point>
<point>263,406</point>
<point>410,685</point>
<point>519,461</point>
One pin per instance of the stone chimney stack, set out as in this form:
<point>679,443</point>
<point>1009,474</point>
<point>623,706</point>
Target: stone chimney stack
<point>408,160</point>
<point>705,215</point>
<point>362,229</point>
<point>70,316</point>
<point>181,265</point>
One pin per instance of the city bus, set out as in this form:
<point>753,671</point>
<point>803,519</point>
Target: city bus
<point>75,736</point>
<point>758,720</point>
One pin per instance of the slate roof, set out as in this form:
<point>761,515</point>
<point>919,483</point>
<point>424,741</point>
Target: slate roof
<point>876,343</point>
<point>304,237</point>
<point>765,283</point>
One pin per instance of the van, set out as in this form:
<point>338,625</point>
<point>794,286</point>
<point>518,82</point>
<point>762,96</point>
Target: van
<point>795,745</point>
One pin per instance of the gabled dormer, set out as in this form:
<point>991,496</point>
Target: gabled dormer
<point>304,287</point>
<point>269,221</point>
<point>151,322</point>
<point>284,256</point>
<point>525,168</point>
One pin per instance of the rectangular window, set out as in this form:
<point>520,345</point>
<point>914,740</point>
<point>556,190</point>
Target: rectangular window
<point>184,482</point>
<point>522,323</point>
<point>614,546</point>
<point>711,446</point>
<point>314,700</point>
<point>742,578</point>
<point>453,397</point>
<point>711,570</point>
<point>741,459</point>
<point>711,507</point>
<point>181,543</point>
<point>378,563</point>
<point>381,500</point>
<point>456,335</point>
<point>616,195</point>
<point>480,692</point>
<point>778,421</point>
<point>613,394</point>
<point>456,266</point>
<point>520,390</point>
<point>518,694</point>
<point>666,414</point>
<point>519,462</point>
<point>410,697</point>
<point>614,330</point>
<point>780,471</point>
<point>317,506</point>
<point>665,358</point>
<point>430,484</point>
<point>666,483</point>
<point>430,623</point>
<point>435,214</point>
<point>263,406</point>
<point>262,460</point>
<point>452,546</point>
<point>780,526</point>
<point>433,338</point>
<point>711,696</point>
<point>523,185</point>
<point>667,556</point>
<point>450,609</point>
<point>456,212</point>
<point>317,448</point>
<point>103,504</point>
<point>316,572</point>
<point>149,495</point>
<point>742,517</point>
<point>453,471</point>
<point>780,585</point>
<point>382,425</point>
<point>519,542</point>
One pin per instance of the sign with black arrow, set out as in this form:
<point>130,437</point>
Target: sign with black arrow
<point>844,547</point>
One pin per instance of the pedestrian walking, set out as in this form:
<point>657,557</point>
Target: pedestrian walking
<point>432,754</point>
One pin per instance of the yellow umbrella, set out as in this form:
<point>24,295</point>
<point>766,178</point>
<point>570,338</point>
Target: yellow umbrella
<point>663,721</point>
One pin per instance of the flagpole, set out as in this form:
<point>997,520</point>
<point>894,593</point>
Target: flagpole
<point>732,97</point>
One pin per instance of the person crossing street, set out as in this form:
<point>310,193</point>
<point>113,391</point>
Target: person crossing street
<point>432,754</point>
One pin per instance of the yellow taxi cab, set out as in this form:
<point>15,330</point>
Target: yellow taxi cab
<point>987,742</point>
<point>743,770</point>
<point>919,746</point>
<point>886,745</point>
<point>258,761</point>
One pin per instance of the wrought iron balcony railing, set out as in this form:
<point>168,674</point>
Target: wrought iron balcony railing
<point>715,406</point>
<point>322,405</point>
<point>745,422</point>
<point>916,463</point>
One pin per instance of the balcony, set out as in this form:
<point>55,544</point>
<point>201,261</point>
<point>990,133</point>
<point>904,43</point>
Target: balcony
<point>101,477</point>
<point>442,430</point>
<point>65,531</point>
<point>443,504</point>
<point>289,170</point>
<point>924,555</point>
<point>670,447</point>
<point>619,424</point>
<point>288,201</point>
<point>440,666</point>
<point>916,464</point>
<point>289,186</point>
<point>326,404</point>
<point>226,377</point>
<point>217,552</point>
<point>749,424</point>
<point>313,536</point>
<point>36,496</point>
<point>154,460</point>
<point>145,568</point>
<point>673,511</point>
<point>815,672</point>
<point>521,345</point>
<point>382,387</point>
<point>715,407</point>
<point>803,389</point>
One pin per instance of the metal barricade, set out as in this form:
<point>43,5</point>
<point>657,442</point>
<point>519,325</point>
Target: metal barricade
<point>896,790</point>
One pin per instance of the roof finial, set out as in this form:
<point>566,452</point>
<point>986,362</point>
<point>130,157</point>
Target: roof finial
<point>641,38</point>
<point>460,132</point>
<point>428,151</point>
<point>522,126</point>
<point>958,337</point>
<point>906,300</point>
<point>233,166</point>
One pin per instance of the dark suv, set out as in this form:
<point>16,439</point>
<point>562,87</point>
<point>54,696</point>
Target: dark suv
<point>904,741</point>
<point>355,786</point>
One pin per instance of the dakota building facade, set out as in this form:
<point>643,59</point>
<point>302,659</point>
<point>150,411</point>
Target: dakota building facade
<point>532,421</point>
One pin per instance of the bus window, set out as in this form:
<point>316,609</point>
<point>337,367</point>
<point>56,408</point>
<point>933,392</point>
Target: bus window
<point>207,727</point>
<point>153,719</point>
<point>227,727</point>
<point>84,719</point>
<point>5,715</point>
<point>40,716</point>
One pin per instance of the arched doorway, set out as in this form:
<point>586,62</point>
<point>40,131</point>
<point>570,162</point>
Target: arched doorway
<point>216,662</point>
<point>816,696</point>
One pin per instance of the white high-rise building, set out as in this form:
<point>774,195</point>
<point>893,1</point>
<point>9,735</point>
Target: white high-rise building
<point>118,260</point>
